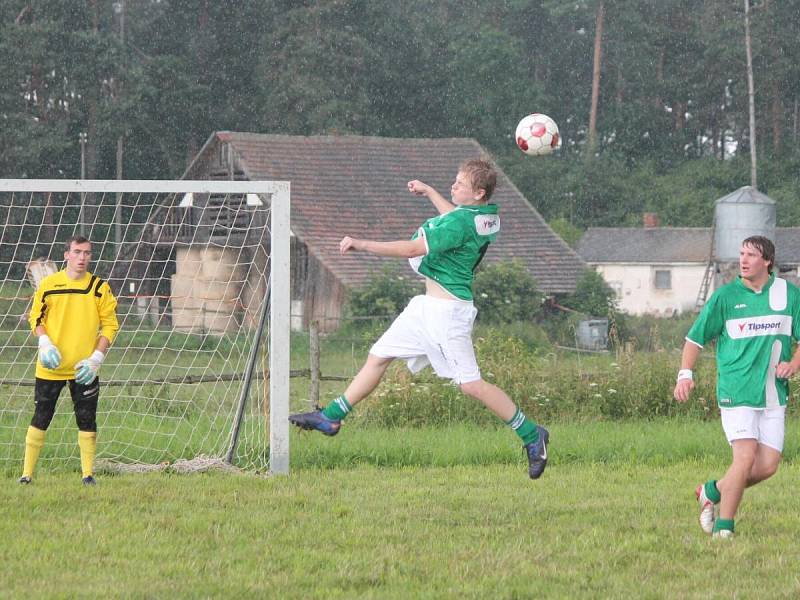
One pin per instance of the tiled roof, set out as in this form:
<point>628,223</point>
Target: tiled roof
<point>354,185</point>
<point>650,245</point>
<point>668,245</point>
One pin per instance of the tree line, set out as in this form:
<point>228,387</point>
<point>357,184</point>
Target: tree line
<point>650,95</point>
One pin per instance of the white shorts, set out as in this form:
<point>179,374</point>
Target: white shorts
<point>764,424</point>
<point>433,331</point>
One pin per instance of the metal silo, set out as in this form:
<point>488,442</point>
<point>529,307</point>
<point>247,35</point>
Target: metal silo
<point>739,215</point>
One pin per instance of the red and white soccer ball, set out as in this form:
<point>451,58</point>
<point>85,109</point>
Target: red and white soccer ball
<point>537,135</point>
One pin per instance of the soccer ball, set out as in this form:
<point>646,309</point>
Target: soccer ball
<point>537,135</point>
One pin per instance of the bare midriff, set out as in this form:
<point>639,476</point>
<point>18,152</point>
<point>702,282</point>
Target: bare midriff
<point>437,291</point>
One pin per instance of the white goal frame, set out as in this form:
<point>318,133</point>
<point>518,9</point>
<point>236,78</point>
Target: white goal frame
<point>279,289</point>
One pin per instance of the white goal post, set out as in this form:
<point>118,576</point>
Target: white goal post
<point>201,273</point>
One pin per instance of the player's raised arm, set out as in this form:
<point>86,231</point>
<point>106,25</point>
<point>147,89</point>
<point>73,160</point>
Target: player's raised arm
<point>419,188</point>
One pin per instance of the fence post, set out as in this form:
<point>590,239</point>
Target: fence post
<point>313,363</point>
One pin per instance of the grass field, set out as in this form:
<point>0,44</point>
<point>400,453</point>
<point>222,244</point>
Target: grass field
<point>415,513</point>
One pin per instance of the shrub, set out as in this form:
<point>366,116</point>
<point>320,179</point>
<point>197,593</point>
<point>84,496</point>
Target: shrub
<point>592,295</point>
<point>386,294</point>
<point>505,292</point>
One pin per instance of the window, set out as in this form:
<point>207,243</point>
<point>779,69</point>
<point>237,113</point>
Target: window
<point>663,280</point>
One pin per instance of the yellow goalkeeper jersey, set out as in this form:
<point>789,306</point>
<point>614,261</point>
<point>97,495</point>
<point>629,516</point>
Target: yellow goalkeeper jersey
<point>75,313</point>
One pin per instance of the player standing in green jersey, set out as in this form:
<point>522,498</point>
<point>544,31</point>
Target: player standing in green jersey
<point>754,319</point>
<point>436,328</point>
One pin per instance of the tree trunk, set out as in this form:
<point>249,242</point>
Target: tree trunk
<point>722,126</point>
<point>776,105</point>
<point>658,101</point>
<point>777,120</point>
<point>679,115</point>
<point>750,95</point>
<point>598,50</point>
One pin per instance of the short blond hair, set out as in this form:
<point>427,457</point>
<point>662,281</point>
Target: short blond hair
<point>482,175</point>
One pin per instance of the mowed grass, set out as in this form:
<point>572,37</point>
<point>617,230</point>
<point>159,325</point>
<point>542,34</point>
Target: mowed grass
<point>422,513</point>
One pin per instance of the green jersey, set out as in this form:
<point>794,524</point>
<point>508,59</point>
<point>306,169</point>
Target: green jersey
<point>456,242</point>
<point>754,332</point>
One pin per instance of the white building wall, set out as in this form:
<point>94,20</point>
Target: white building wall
<point>641,290</point>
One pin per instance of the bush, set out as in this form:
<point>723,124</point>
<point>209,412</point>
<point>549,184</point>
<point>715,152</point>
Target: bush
<point>505,293</point>
<point>386,294</point>
<point>592,296</point>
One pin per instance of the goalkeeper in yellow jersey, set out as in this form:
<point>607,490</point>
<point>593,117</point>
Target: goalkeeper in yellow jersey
<point>74,316</point>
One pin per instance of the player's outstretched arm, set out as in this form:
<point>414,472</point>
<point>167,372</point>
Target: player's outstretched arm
<point>398,249</point>
<point>685,382</point>
<point>418,188</point>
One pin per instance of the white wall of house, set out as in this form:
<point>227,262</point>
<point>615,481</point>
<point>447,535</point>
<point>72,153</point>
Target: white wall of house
<point>654,289</point>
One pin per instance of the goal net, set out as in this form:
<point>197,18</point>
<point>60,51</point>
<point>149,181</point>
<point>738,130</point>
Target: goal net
<point>199,370</point>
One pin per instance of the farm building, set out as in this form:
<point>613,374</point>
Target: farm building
<point>660,270</point>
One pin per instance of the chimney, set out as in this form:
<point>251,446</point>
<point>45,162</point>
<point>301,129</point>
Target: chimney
<point>650,220</point>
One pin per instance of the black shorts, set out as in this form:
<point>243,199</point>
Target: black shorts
<point>84,401</point>
<point>50,389</point>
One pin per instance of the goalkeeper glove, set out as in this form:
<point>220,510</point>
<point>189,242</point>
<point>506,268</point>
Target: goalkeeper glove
<point>49,355</point>
<point>86,370</point>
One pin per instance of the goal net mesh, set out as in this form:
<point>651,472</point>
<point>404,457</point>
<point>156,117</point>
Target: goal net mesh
<point>191,273</point>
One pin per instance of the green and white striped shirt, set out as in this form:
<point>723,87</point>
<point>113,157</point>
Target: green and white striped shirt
<point>754,332</point>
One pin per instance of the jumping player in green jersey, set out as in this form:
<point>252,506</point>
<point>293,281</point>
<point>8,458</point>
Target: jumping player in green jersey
<point>754,319</point>
<point>436,328</point>
<point>73,314</point>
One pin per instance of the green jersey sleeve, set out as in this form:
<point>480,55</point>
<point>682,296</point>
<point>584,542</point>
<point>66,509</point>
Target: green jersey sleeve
<point>710,324</point>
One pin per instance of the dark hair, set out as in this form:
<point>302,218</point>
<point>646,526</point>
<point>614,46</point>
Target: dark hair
<point>75,239</point>
<point>482,175</point>
<point>763,245</point>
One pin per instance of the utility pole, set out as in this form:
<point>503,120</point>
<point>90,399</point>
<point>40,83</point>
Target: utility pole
<point>119,8</point>
<point>82,138</point>
<point>751,95</point>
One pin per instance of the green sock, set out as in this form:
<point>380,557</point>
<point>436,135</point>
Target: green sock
<point>723,524</point>
<point>524,428</point>
<point>338,409</point>
<point>712,493</point>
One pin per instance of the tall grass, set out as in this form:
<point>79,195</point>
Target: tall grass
<point>550,385</point>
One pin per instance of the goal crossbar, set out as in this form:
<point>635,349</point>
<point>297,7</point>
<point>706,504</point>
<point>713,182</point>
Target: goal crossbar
<point>144,186</point>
